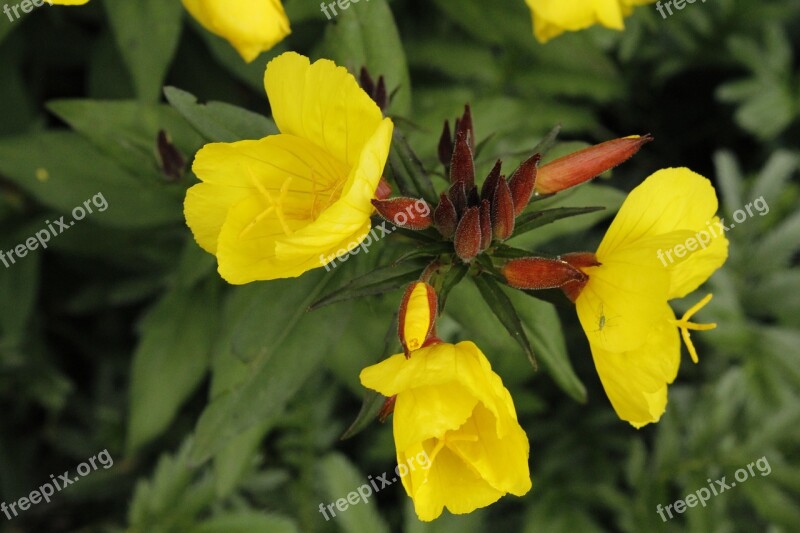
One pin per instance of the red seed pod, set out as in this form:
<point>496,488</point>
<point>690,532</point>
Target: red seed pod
<point>502,212</point>
<point>540,273</point>
<point>522,182</point>
<point>409,213</point>
<point>583,165</point>
<point>468,235</point>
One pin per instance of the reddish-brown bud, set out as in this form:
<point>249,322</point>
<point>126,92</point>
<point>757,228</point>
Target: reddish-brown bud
<point>462,167</point>
<point>458,196</point>
<point>522,182</point>
<point>490,183</point>
<point>417,316</point>
<point>502,212</point>
<point>540,273</point>
<point>445,217</point>
<point>387,408</point>
<point>583,165</point>
<point>473,198</point>
<point>384,190</point>
<point>466,127</point>
<point>381,97</point>
<point>578,260</point>
<point>446,145</point>
<point>409,213</point>
<point>486,224</point>
<point>468,235</point>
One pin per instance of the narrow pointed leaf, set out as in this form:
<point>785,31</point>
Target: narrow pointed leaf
<point>531,221</point>
<point>404,160</point>
<point>379,281</point>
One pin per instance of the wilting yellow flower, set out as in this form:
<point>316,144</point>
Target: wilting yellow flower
<point>270,208</point>
<point>452,406</point>
<point>623,307</point>
<point>551,18</point>
<point>251,26</point>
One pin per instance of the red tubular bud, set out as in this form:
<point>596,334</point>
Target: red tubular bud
<point>446,145</point>
<point>468,235</point>
<point>458,196</point>
<point>583,165</point>
<point>417,316</point>
<point>486,224</point>
<point>522,182</point>
<point>384,190</point>
<point>490,183</point>
<point>578,260</point>
<point>502,212</point>
<point>540,273</point>
<point>462,167</point>
<point>445,217</point>
<point>409,213</point>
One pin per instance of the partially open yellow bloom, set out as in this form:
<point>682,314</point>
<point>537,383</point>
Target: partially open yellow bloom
<point>551,18</point>
<point>271,208</point>
<point>452,406</point>
<point>632,331</point>
<point>251,26</point>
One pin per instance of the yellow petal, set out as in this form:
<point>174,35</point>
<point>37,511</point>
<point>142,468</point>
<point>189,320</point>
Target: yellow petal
<point>67,2</point>
<point>322,103</point>
<point>428,412</point>
<point>636,381</point>
<point>553,17</point>
<point>416,318</point>
<point>251,26</point>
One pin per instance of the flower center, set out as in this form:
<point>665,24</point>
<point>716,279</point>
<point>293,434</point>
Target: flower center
<point>685,326</point>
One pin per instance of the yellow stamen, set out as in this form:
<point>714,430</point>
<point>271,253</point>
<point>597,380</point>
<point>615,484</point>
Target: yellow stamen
<point>276,206</point>
<point>685,326</point>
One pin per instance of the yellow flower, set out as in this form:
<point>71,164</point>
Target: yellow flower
<point>663,244</point>
<point>551,18</point>
<point>251,26</point>
<point>272,208</point>
<point>454,408</point>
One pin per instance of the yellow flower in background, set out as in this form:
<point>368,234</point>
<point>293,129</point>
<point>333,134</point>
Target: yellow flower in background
<point>270,208</point>
<point>632,331</point>
<point>551,18</point>
<point>251,26</point>
<point>454,408</point>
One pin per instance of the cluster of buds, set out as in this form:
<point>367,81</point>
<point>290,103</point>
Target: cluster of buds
<point>475,219</point>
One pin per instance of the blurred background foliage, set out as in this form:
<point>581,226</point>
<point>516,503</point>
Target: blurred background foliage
<point>223,407</point>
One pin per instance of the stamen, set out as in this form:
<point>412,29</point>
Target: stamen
<point>685,326</point>
<point>273,206</point>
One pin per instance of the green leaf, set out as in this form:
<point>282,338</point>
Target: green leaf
<point>445,284</point>
<point>379,281</point>
<point>52,167</point>
<point>365,35</point>
<point>531,221</point>
<point>406,163</point>
<point>218,121</point>
<point>247,522</point>
<point>273,377</point>
<point>543,327</point>
<point>775,175</point>
<point>341,479</point>
<point>147,34</point>
<point>171,360</point>
<point>504,310</point>
<point>370,408</point>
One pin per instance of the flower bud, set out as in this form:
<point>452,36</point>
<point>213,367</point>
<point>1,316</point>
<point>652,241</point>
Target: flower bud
<point>458,196</point>
<point>465,127</point>
<point>445,150</point>
<point>468,235</point>
<point>384,190</point>
<point>540,273</point>
<point>417,318</point>
<point>486,224</point>
<point>445,217</point>
<point>409,213</point>
<point>522,182</point>
<point>502,212</point>
<point>578,260</point>
<point>490,183</point>
<point>462,166</point>
<point>583,165</point>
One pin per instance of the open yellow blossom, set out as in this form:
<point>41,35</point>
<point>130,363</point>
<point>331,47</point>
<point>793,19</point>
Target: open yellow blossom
<point>452,406</point>
<point>632,331</point>
<point>270,208</point>
<point>551,18</point>
<point>251,26</point>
